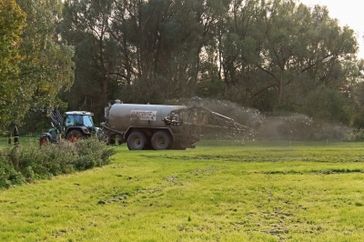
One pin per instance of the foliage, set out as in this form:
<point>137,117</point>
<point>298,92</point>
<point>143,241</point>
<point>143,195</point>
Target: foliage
<point>12,20</point>
<point>262,54</point>
<point>8,175</point>
<point>273,55</point>
<point>327,104</point>
<point>285,50</point>
<point>35,66</point>
<point>47,66</point>
<point>357,135</point>
<point>358,115</point>
<point>133,48</point>
<point>30,162</point>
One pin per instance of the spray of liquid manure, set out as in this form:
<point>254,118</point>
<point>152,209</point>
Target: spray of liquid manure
<point>219,119</point>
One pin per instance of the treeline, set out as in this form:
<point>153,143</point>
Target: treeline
<point>273,55</point>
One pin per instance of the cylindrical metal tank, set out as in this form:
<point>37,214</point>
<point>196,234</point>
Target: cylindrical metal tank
<point>122,116</point>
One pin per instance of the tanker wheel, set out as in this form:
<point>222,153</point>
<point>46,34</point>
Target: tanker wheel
<point>161,140</point>
<point>74,136</point>
<point>136,140</point>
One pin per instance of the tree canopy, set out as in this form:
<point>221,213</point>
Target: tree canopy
<point>12,20</point>
<point>35,65</point>
<point>273,55</point>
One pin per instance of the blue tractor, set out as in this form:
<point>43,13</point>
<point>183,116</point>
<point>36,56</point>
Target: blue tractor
<point>71,126</point>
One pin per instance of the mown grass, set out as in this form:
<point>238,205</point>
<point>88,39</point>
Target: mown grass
<point>217,192</point>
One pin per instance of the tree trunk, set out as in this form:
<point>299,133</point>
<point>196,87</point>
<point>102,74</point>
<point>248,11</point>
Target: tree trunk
<point>280,92</point>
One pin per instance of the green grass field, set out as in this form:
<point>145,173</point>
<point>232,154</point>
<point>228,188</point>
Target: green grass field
<point>216,192</point>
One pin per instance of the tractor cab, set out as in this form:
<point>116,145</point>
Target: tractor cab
<point>79,119</point>
<point>78,124</point>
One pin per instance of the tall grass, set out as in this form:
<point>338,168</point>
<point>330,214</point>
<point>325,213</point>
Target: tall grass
<point>29,162</point>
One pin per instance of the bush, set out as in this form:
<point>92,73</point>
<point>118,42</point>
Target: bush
<point>30,162</point>
<point>327,104</point>
<point>357,135</point>
<point>8,175</point>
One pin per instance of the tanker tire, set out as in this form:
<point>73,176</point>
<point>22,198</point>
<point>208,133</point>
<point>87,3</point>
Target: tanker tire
<point>136,140</point>
<point>161,140</point>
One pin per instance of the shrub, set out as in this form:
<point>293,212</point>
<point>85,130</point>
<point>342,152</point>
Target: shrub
<point>327,104</point>
<point>357,135</point>
<point>30,162</point>
<point>8,175</point>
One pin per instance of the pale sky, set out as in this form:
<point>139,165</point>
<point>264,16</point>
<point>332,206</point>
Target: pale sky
<point>348,12</point>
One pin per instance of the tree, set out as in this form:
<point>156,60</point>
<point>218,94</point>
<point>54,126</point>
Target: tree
<point>357,92</point>
<point>134,49</point>
<point>46,68</point>
<point>271,55</point>
<point>168,36</point>
<point>274,53</point>
<point>12,20</point>
<point>85,25</point>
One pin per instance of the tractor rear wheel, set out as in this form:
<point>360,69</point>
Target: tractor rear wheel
<point>136,140</point>
<point>161,140</point>
<point>74,136</point>
<point>44,140</point>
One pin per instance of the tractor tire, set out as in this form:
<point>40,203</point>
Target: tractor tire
<point>161,140</point>
<point>74,136</point>
<point>136,140</point>
<point>44,140</point>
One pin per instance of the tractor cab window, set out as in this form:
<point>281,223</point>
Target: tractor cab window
<point>79,120</point>
<point>88,122</point>
<point>69,121</point>
<point>74,120</point>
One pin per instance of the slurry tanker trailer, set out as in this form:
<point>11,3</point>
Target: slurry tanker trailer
<point>160,127</point>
